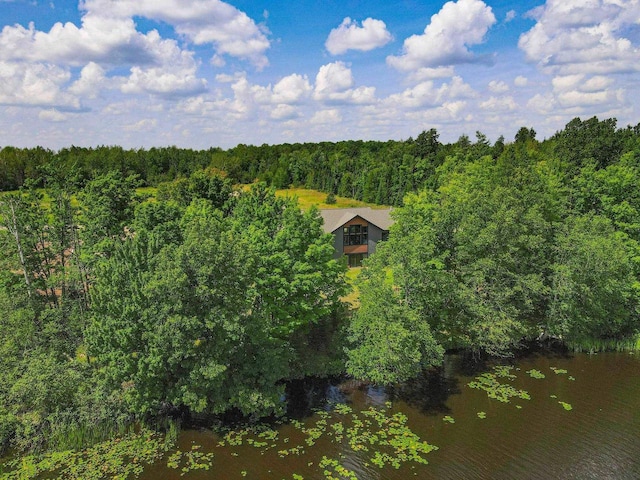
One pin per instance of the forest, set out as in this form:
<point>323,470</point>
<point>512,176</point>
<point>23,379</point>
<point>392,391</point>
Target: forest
<point>205,296</point>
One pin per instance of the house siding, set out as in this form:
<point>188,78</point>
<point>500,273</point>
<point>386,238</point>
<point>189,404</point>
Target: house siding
<point>338,243</point>
<point>338,220</point>
<point>374,236</point>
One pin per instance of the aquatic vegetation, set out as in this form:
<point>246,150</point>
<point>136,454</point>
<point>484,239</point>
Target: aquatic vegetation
<point>533,373</point>
<point>234,438</point>
<point>565,405</point>
<point>559,371</point>
<point>599,345</point>
<point>496,390</point>
<point>448,419</point>
<point>481,415</point>
<point>384,439</point>
<point>190,461</point>
<point>123,457</point>
<point>504,371</point>
<point>333,470</point>
<point>343,409</point>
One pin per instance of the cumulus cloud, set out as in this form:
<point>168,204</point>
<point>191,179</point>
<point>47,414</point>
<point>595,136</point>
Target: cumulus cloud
<point>498,86</point>
<point>577,94</point>
<point>291,89</point>
<point>574,36</point>
<point>52,115</point>
<point>35,85</point>
<point>326,116</point>
<point>448,112</point>
<point>499,104</point>
<point>92,78</point>
<point>349,36</point>
<point>284,112</point>
<point>521,81</point>
<point>334,82</point>
<point>511,14</point>
<point>214,22</point>
<point>142,125</point>
<point>427,94</point>
<point>446,39</point>
<point>107,42</point>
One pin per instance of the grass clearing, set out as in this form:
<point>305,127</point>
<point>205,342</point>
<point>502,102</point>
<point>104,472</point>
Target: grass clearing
<point>307,198</point>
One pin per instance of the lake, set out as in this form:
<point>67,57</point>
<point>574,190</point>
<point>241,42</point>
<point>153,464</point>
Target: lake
<point>581,421</point>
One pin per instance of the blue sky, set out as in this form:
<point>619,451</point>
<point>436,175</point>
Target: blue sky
<point>201,73</point>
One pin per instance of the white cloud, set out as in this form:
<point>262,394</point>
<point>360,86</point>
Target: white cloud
<point>566,82</point>
<point>106,41</point>
<point>498,86</point>
<point>511,14</point>
<point>421,95</point>
<point>577,98</point>
<point>35,85</point>
<point>327,116</point>
<point>501,104</point>
<point>92,78</point>
<point>52,115</point>
<point>334,82</point>
<point>284,112</point>
<point>598,82</point>
<point>521,81</point>
<point>349,36</point>
<point>142,125</point>
<point>291,89</point>
<point>449,112</point>
<point>333,77</point>
<point>446,39</point>
<point>577,36</point>
<point>456,89</point>
<point>215,22</point>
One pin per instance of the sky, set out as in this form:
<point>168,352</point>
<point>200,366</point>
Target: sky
<point>208,73</point>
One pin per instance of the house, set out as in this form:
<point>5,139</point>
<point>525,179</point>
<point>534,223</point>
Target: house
<point>356,231</point>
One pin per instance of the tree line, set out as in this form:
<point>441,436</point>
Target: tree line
<point>373,171</point>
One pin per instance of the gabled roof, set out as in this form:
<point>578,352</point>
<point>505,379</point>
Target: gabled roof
<point>337,217</point>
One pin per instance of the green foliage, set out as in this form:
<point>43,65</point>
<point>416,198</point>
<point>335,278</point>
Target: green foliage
<point>107,205</point>
<point>122,457</point>
<point>595,286</point>
<point>219,318</point>
<point>516,247</point>
<point>390,342</point>
<point>331,199</point>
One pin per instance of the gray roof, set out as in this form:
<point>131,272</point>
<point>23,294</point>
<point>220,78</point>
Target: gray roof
<point>335,218</point>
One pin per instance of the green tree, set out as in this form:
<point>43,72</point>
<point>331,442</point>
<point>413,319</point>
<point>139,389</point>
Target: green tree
<point>106,206</point>
<point>596,293</point>
<point>390,343</point>
<point>218,320</point>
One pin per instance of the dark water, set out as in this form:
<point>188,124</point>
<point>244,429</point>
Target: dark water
<point>598,439</point>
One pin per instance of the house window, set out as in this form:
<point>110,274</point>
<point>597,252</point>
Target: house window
<point>355,235</point>
<point>355,259</point>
